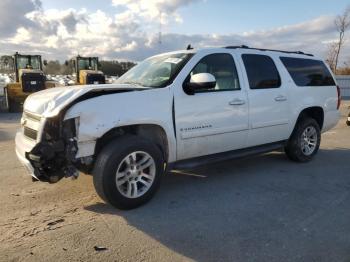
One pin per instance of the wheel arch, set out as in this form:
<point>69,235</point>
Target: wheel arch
<point>151,132</point>
<point>315,112</point>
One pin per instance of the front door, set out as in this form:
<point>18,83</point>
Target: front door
<point>215,120</point>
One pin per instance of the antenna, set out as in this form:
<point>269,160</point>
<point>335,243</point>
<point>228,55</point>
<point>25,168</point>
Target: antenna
<point>189,47</point>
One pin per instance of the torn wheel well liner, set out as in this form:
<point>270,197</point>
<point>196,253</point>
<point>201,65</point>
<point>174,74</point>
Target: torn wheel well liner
<point>154,133</point>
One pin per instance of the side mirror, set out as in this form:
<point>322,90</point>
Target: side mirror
<point>45,62</point>
<point>200,82</point>
<point>66,63</point>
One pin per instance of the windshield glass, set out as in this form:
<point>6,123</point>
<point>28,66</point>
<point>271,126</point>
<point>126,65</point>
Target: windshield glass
<point>158,71</point>
<point>23,62</point>
<point>87,64</point>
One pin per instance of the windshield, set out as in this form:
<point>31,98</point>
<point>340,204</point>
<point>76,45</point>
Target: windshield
<point>158,71</point>
<point>87,64</point>
<point>26,62</point>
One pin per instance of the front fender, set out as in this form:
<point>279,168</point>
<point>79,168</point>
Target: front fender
<point>101,114</point>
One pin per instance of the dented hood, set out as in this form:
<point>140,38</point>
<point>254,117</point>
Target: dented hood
<point>49,102</point>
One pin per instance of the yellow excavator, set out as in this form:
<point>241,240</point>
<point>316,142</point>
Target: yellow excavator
<point>87,71</point>
<point>28,78</point>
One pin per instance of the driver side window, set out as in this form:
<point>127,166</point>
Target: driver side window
<point>223,68</point>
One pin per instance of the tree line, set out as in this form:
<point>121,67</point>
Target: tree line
<point>111,68</point>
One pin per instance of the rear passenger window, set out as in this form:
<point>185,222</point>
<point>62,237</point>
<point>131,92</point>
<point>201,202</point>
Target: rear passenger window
<point>308,72</point>
<point>261,71</point>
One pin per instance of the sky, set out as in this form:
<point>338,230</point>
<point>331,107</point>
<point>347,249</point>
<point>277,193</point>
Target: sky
<point>129,29</point>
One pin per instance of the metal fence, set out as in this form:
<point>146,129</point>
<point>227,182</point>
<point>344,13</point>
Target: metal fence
<point>344,84</point>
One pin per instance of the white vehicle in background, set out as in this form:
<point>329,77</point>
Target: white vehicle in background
<point>178,110</point>
<point>111,79</point>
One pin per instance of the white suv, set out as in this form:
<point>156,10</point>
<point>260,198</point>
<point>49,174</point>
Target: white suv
<point>178,110</point>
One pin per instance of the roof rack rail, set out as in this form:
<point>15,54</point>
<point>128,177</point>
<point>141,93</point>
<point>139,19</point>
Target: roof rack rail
<point>272,50</point>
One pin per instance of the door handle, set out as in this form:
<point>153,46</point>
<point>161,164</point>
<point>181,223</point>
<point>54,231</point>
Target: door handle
<point>280,98</point>
<point>237,102</point>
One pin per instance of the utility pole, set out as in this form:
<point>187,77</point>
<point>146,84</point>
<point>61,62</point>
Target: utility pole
<point>160,31</point>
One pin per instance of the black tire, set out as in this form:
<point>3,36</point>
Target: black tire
<point>6,100</point>
<point>12,106</point>
<point>293,148</point>
<point>106,166</point>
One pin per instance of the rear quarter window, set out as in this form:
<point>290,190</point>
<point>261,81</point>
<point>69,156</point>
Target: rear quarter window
<point>308,72</point>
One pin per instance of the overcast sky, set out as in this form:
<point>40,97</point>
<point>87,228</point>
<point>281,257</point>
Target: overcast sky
<point>129,29</point>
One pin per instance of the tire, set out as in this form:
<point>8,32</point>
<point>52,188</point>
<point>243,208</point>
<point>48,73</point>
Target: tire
<point>296,148</point>
<point>11,105</point>
<point>6,100</point>
<point>113,158</point>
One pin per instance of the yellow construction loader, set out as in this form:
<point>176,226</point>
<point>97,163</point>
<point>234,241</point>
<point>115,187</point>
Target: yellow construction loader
<point>87,71</point>
<point>28,78</point>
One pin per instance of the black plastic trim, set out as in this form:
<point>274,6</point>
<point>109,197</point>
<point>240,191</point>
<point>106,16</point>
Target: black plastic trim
<point>173,116</point>
<point>272,50</point>
<point>240,153</point>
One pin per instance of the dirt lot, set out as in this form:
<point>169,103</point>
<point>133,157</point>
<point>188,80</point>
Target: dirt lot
<point>264,208</point>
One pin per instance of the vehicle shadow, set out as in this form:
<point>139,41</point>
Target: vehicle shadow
<point>9,123</point>
<point>265,208</point>
<point>10,117</point>
<point>5,136</point>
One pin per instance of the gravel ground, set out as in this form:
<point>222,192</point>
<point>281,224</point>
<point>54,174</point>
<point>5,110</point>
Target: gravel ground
<point>265,208</point>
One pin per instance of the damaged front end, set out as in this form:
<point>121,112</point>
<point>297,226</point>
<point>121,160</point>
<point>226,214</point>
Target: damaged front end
<point>54,156</point>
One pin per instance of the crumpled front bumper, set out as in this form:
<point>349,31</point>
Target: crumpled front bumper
<point>24,146</point>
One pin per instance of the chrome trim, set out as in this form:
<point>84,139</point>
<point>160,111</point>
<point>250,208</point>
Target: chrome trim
<point>28,117</point>
<point>32,116</point>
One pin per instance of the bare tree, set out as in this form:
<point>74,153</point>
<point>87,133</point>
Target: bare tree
<point>331,54</point>
<point>342,23</point>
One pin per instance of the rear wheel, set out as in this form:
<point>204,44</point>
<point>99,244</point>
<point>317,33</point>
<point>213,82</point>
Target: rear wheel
<point>127,172</point>
<point>305,140</point>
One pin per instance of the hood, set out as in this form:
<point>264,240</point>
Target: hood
<point>49,102</point>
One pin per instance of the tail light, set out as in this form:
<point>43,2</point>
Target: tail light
<point>339,97</point>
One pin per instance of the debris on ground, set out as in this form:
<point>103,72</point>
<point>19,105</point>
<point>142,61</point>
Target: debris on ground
<point>34,213</point>
<point>98,248</point>
<point>55,222</point>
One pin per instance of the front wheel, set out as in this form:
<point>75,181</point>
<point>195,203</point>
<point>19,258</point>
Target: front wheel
<point>305,141</point>
<point>127,172</point>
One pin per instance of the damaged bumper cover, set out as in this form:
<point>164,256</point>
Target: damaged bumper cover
<point>21,147</point>
<point>48,160</point>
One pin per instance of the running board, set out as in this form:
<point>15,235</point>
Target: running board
<point>215,158</point>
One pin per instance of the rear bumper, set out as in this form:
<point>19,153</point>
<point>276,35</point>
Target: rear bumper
<point>331,119</point>
<point>24,146</point>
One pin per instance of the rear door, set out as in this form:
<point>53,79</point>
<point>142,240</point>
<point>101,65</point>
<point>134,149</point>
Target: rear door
<point>268,100</point>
